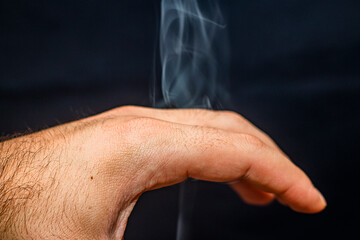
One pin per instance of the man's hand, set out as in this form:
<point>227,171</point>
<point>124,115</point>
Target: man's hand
<point>81,180</point>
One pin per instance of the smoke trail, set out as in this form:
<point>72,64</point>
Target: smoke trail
<point>193,54</point>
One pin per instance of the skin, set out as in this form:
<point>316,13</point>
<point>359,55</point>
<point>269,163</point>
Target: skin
<point>81,180</point>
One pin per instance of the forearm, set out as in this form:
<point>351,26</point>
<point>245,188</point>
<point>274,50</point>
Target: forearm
<point>26,164</point>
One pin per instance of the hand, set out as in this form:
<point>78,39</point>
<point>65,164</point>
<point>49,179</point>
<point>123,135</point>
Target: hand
<point>81,180</point>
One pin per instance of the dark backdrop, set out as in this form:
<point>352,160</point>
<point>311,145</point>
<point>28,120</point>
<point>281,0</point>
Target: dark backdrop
<point>295,73</point>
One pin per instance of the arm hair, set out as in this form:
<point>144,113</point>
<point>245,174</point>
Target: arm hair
<point>20,171</point>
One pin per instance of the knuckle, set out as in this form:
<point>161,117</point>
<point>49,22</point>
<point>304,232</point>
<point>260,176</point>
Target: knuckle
<point>127,109</point>
<point>230,114</point>
<point>133,136</point>
<point>232,120</point>
<point>233,116</point>
<point>134,128</point>
<point>119,111</point>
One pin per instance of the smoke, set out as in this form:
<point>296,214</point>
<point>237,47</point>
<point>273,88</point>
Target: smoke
<point>193,53</point>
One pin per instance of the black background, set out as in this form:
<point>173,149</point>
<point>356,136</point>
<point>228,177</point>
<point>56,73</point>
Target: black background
<point>295,73</point>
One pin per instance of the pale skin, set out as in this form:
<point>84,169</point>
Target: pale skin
<point>81,180</point>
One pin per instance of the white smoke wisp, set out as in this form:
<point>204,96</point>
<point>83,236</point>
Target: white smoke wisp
<point>193,53</point>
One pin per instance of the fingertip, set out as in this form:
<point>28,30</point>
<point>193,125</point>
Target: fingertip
<point>317,205</point>
<point>321,203</point>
